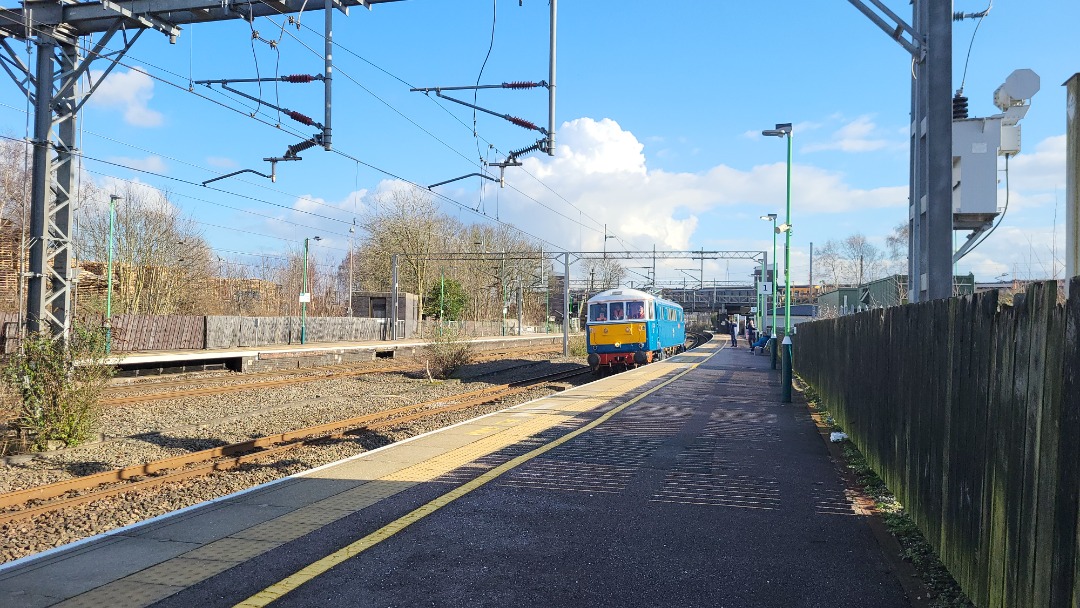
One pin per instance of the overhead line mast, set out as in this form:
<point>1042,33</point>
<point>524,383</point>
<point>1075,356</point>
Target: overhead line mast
<point>928,39</point>
<point>545,144</point>
<point>52,85</point>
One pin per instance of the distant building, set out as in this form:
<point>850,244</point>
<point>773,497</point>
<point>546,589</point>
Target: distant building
<point>882,293</point>
<point>377,305</point>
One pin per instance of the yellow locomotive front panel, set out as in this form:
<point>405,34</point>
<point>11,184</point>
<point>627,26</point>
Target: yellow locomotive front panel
<point>617,334</point>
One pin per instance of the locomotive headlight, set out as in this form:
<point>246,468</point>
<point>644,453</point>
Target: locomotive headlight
<point>617,345</point>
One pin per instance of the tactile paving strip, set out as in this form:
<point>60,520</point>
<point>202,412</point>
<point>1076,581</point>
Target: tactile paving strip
<point>181,572</point>
<point>232,549</point>
<point>220,555</point>
<point>124,592</point>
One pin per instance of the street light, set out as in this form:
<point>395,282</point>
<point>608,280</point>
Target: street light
<point>352,231</point>
<point>783,130</point>
<point>305,293</point>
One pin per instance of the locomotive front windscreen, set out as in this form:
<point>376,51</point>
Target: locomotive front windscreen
<point>598,312</point>
<point>618,311</point>
<point>635,310</point>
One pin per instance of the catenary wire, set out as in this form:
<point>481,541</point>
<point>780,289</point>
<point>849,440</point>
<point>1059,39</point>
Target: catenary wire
<point>166,81</point>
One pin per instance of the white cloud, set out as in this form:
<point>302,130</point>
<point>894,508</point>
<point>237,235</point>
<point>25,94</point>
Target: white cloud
<point>1039,168</point>
<point>106,186</point>
<point>601,169</point>
<point>855,136</point>
<point>130,92</point>
<point>221,162</point>
<point>1023,252</point>
<point>152,163</point>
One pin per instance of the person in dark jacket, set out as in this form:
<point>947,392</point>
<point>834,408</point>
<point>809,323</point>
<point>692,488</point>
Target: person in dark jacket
<point>733,327</point>
<point>761,343</point>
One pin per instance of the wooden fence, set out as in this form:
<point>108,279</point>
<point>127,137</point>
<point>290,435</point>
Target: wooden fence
<point>970,412</point>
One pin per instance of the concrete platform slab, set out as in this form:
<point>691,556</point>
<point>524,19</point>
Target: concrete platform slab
<point>90,566</point>
<point>210,523</point>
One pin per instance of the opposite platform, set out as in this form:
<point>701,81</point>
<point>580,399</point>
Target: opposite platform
<point>684,482</point>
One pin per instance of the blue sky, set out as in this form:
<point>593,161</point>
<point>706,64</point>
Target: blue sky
<point>659,113</point>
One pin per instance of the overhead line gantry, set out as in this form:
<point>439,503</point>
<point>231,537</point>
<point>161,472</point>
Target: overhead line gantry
<point>52,86</point>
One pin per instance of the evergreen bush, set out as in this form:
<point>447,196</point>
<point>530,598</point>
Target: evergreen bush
<point>52,387</point>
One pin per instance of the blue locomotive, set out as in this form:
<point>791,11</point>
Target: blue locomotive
<point>627,328</point>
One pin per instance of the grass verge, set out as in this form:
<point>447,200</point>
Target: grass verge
<point>941,589</point>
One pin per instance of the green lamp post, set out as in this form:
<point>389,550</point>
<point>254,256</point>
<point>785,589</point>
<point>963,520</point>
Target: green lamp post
<point>305,293</point>
<point>784,130</point>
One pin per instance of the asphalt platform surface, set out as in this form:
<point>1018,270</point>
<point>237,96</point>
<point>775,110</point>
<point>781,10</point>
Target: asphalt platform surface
<point>706,492</point>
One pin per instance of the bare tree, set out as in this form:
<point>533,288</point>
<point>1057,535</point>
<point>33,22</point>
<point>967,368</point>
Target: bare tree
<point>829,264</point>
<point>496,262</point>
<point>853,260</point>
<point>896,245</point>
<point>14,203</point>
<point>161,263</point>
<point>406,222</point>
<point>606,273</point>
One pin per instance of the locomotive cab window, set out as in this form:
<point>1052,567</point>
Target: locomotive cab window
<point>597,313</point>
<point>635,310</point>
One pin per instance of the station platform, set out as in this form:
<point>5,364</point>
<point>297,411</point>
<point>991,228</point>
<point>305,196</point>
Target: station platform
<point>291,356</point>
<point>681,483</point>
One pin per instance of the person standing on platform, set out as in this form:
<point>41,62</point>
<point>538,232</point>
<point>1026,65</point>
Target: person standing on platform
<point>733,327</point>
<point>751,331</point>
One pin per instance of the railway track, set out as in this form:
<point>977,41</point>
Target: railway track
<point>116,396</point>
<point>90,488</point>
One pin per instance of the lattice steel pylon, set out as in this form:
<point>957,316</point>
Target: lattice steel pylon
<point>53,87</point>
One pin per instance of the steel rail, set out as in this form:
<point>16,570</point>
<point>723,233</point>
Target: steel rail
<point>350,370</point>
<point>242,452</point>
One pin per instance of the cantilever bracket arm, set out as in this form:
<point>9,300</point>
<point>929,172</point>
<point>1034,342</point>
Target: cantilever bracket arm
<point>238,173</point>
<point>521,122</point>
<point>916,46</point>
<point>432,186</point>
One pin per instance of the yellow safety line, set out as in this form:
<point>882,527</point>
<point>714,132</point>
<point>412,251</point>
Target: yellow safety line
<point>280,588</point>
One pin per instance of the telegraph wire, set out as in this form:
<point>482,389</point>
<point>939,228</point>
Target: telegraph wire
<point>350,78</point>
<point>190,164</point>
<point>280,127</point>
<point>189,182</point>
<point>349,51</point>
<point>202,200</point>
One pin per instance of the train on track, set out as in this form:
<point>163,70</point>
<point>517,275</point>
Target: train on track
<point>626,328</point>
